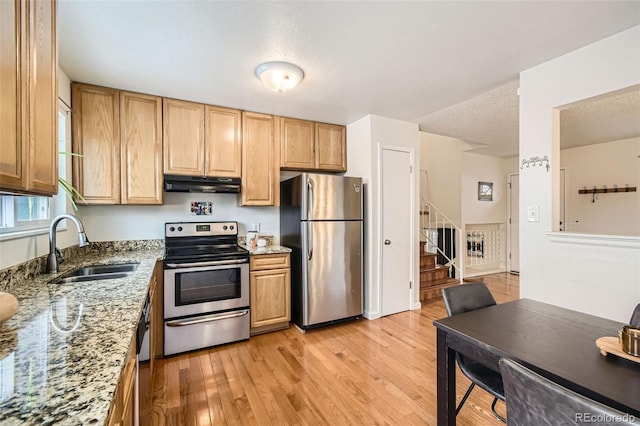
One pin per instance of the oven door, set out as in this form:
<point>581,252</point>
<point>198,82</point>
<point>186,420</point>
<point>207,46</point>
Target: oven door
<point>203,288</point>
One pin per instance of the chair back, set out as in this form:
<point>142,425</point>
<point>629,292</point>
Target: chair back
<point>635,317</point>
<point>467,297</point>
<point>535,400</point>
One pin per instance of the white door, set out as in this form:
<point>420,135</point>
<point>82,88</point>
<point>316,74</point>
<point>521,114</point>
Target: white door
<point>514,225</point>
<point>562,212</point>
<point>396,237</point>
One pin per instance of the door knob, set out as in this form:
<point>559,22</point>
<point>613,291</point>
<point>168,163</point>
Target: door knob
<point>387,242</point>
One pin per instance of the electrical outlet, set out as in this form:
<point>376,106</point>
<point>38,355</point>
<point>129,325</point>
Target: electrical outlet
<point>533,214</point>
<point>256,227</point>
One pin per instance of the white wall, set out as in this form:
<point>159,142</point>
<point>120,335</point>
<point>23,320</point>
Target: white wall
<point>599,276</point>
<point>359,163</point>
<point>441,158</point>
<point>482,168</point>
<point>111,223</point>
<point>365,137</point>
<point>612,214</point>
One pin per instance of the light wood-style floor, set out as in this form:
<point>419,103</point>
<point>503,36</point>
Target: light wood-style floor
<point>359,373</point>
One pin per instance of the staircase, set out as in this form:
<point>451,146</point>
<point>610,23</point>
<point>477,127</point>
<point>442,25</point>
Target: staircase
<point>433,277</point>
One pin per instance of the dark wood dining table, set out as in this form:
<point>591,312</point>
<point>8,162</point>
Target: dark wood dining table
<point>555,342</point>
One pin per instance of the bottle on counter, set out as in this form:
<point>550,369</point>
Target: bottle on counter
<point>252,239</point>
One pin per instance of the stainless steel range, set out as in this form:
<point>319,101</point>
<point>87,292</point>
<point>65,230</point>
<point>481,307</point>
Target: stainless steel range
<point>206,286</point>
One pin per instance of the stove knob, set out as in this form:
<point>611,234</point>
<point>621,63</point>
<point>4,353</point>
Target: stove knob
<point>172,229</point>
<point>179,228</point>
<point>224,227</point>
<point>231,227</point>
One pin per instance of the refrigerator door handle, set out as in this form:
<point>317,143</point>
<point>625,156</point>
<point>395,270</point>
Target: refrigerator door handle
<point>310,199</point>
<point>309,240</point>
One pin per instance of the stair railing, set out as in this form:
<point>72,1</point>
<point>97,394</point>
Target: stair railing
<point>431,220</point>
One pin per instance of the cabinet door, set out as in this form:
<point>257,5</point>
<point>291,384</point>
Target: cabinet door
<point>297,144</point>
<point>270,297</point>
<point>183,129</point>
<point>43,98</point>
<point>12,145</point>
<point>331,153</point>
<point>96,136</point>
<point>140,148</point>
<point>258,160</point>
<point>223,142</point>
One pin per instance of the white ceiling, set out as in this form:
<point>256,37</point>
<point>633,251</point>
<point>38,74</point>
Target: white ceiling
<point>412,61</point>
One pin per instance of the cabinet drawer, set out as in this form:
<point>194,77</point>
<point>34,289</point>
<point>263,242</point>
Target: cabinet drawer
<point>269,261</point>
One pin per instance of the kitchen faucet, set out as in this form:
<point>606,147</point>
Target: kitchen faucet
<point>52,259</point>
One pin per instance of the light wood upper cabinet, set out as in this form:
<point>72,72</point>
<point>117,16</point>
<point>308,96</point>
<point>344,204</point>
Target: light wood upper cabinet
<point>13,161</point>
<point>201,140</point>
<point>28,101</point>
<point>119,135</point>
<point>306,145</point>
<point>297,144</point>
<point>331,147</point>
<point>96,137</point>
<point>223,139</point>
<point>259,173</point>
<point>141,148</point>
<point>183,128</point>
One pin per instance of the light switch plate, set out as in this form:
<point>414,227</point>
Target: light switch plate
<point>533,214</point>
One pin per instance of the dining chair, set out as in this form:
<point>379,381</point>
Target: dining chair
<point>635,317</point>
<point>535,400</point>
<point>464,298</point>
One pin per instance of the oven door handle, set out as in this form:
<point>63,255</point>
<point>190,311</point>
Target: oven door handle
<point>212,263</point>
<point>208,318</point>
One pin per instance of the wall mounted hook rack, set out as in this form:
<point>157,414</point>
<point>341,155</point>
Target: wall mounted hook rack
<point>535,161</point>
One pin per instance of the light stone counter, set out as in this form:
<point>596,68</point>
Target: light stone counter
<point>62,353</point>
<point>273,249</point>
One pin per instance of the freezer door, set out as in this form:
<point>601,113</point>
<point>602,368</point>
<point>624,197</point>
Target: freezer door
<point>331,197</point>
<point>332,271</point>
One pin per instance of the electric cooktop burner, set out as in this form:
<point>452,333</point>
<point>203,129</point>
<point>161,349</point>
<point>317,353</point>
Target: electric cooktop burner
<point>202,241</point>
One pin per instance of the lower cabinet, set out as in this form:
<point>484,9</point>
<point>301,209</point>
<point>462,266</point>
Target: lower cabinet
<point>270,278</point>
<point>122,407</point>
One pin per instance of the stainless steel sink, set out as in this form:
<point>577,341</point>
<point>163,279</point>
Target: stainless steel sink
<point>98,272</point>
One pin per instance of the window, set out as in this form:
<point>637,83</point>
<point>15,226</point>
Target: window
<point>20,213</point>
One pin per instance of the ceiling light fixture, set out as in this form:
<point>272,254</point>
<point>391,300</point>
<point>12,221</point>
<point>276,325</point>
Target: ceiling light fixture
<point>279,76</point>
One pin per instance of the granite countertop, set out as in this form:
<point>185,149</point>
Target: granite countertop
<point>62,353</point>
<point>272,249</point>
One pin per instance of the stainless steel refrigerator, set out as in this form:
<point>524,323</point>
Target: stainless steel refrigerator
<point>321,221</point>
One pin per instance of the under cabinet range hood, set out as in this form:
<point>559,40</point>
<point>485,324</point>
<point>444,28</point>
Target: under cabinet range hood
<point>173,183</point>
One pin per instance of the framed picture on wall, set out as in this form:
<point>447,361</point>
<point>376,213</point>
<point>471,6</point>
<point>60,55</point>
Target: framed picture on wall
<point>485,191</point>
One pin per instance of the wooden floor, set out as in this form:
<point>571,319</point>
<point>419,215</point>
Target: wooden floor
<point>359,373</point>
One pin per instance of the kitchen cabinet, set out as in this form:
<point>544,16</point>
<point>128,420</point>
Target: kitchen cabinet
<point>96,137</point>
<point>147,369</point>
<point>183,131</point>
<point>260,160</point>
<point>28,105</point>
<point>306,145</point>
<point>122,406</point>
<point>297,144</point>
<point>270,280</point>
<point>156,325</point>
<point>201,140</point>
<point>331,147</point>
<point>118,135</point>
<point>223,137</point>
<point>141,148</point>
